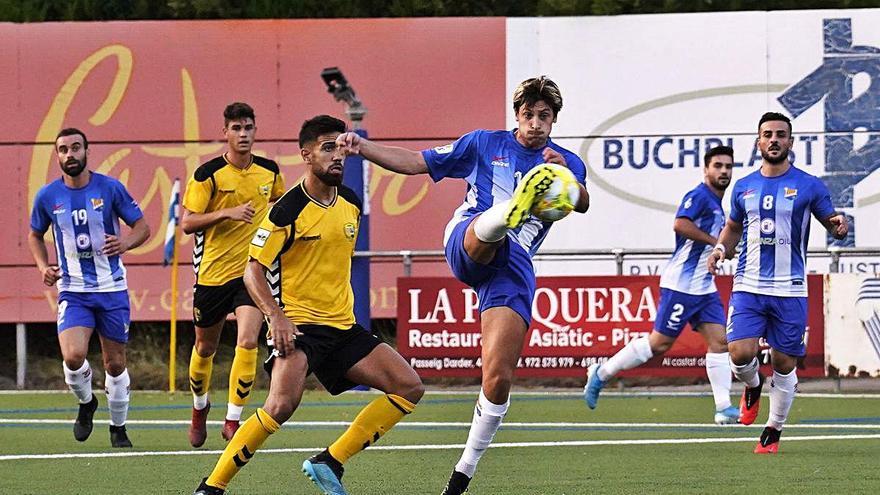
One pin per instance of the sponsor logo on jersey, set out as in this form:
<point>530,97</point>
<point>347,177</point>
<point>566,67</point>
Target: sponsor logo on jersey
<point>310,237</point>
<point>444,150</point>
<point>97,203</point>
<point>748,194</point>
<point>83,241</point>
<point>58,209</point>
<point>500,161</point>
<point>768,226</point>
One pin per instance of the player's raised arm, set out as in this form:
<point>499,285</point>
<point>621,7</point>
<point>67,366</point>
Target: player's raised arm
<point>393,158</point>
<point>727,241</point>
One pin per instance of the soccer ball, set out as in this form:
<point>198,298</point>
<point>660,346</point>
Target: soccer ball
<point>557,200</point>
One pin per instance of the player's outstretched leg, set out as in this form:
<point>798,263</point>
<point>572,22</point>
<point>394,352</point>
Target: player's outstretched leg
<point>594,386</point>
<point>326,472</point>
<point>769,442</point>
<point>527,193</point>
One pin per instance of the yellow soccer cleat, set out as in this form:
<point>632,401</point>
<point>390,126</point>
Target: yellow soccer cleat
<point>527,193</point>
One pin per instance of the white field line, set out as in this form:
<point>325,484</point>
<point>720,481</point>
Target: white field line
<point>457,424</point>
<point>522,393</point>
<point>457,446</point>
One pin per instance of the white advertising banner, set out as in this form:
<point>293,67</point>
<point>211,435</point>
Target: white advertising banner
<point>646,96</point>
<point>852,324</point>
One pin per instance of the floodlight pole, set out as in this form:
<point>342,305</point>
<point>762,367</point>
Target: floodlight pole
<point>357,177</point>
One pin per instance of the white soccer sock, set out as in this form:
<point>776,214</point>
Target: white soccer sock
<point>491,225</point>
<point>200,401</point>
<point>233,412</point>
<point>747,373</point>
<point>718,370</point>
<point>782,390</point>
<point>79,381</point>
<point>636,353</point>
<point>117,388</point>
<point>487,420</point>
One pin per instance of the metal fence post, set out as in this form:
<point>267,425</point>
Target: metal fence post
<point>407,262</point>
<point>618,257</point>
<point>20,354</point>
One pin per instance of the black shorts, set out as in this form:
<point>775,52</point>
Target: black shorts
<point>211,303</point>
<point>331,352</point>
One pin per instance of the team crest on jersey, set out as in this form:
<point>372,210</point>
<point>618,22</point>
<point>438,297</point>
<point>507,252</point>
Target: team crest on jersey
<point>349,231</point>
<point>790,193</point>
<point>444,150</point>
<point>264,189</point>
<point>83,241</point>
<point>97,203</point>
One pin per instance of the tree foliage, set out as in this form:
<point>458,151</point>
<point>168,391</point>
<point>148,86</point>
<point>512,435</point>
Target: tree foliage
<point>106,10</point>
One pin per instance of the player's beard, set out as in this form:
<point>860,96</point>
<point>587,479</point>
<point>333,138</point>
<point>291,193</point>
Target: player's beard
<point>74,167</point>
<point>721,186</point>
<point>774,160</point>
<point>329,178</point>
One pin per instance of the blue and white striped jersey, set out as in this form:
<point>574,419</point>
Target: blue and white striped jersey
<point>80,218</point>
<point>775,214</point>
<point>686,270</point>
<point>492,163</point>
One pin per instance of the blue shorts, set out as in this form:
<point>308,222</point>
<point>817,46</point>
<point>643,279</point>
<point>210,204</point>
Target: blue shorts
<point>677,309</point>
<point>107,312</point>
<point>508,281</point>
<point>782,320</point>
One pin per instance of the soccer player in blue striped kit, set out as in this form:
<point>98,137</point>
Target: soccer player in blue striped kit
<point>687,292</point>
<point>84,208</point>
<point>492,236</point>
<point>770,211</point>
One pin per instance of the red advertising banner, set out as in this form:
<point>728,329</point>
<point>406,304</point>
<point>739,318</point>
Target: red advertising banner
<point>576,321</point>
<point>150,97</point>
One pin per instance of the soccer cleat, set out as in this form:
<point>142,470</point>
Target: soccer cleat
<point>82,427</point>
<point>206,489</point>
<point>326,472</point>
<point>727,416</point>
<point>751,402</point>
<point>198,427</point>
<point>527,193</point>
<point>769,442</point>
<point>118,437</point>
<point>457,484</point>
<point>593,387</point>
<point>229,429</point>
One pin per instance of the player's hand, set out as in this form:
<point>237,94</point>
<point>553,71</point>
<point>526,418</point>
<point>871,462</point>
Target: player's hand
<point>283,333</point>
<point>840,226</point>
<point>241,213</point>
<point>714,261</point>
<point>114,246</point>
<point>350,142</point>
<point>51,275</point>
<point>553,156</point>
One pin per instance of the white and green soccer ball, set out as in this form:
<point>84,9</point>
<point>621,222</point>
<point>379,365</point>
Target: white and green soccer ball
<point>559,198</point>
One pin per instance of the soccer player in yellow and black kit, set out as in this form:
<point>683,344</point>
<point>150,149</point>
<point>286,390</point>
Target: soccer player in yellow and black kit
<point>221,201</point>
<point>309,236</point>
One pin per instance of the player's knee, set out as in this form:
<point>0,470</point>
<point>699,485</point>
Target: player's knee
<point>205,349</point>
<point>412,389</point>
<point>741,357</point>
<point>658,348</point>
<point>717,347</point>
<point>74,360</point>
<point>497,387</point>
<point>114,365</point>
<point>280,410</point>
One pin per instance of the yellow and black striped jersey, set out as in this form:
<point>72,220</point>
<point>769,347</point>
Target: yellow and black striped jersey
<point>220,251</point>
<point>307,247</point>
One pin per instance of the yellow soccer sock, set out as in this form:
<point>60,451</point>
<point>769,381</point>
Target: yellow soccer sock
<point>242,447</point>
<point>370,424</point>
<point>241,376</point>
<point>200,373</point>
